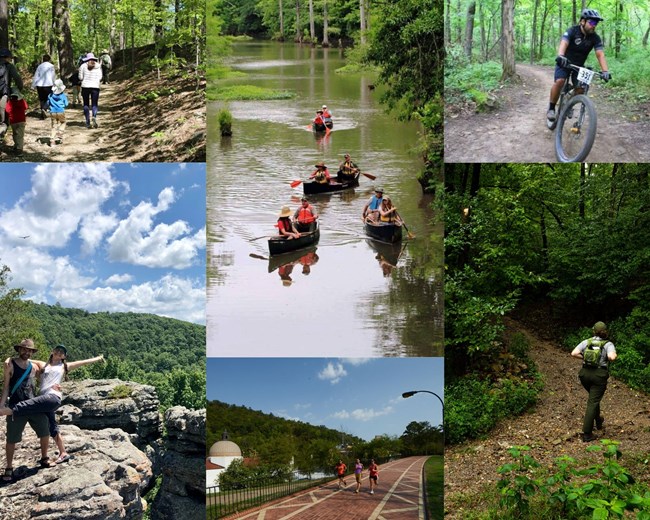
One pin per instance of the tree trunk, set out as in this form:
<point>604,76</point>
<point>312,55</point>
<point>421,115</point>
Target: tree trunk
<point>298,37</point>
<point>481,21</point>
<point>312,29</point>
<point>63,36</point>
<point>618,33</point>
<point>583,188</point>
<point>4,24</point>
<point>645,37</point>
<point>112,36</point>
<point>281,20</point>
<point>362,20</point>
<point>469,30</point>
<point>448,23</point>
<point>533,35</point>
<point>326,39</point>
<point>508,39</point>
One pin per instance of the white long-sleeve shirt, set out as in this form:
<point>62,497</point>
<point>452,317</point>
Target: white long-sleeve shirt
<point>90,78</point>
<point>44,76</point>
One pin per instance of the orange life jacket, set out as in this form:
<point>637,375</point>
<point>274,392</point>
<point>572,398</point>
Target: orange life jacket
<point>305,215</point>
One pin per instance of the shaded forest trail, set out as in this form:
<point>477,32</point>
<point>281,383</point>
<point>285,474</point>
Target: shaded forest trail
<point>140,118</point>
<point>516,132</point>
<point>551,429</point>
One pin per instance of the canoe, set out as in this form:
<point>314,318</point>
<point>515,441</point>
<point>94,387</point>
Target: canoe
<point>322,128</point>
<point>384,232</point>
<point>311,188</point>
<point>279,246</point>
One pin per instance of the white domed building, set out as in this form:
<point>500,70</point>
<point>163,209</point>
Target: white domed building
<point>222,453</point>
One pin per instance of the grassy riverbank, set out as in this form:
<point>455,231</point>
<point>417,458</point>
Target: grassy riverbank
<point>246,93</point>
<point>434,474</point>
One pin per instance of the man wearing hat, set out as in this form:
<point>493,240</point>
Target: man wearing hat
<point>305,215</point>
<point>18,386</point>
<point>8,77</point>
<point>596,354</point>
<point>347,169</point>
<point>371,209</point>
<point>327,115</point>
<point>321,175</point>
<point>58,102</point>
<point>16,110</point>
<point>107,64</point>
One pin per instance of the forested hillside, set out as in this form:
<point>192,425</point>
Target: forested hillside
<point>558,247</point>
<point>157,49</point>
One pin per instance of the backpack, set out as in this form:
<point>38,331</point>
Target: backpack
<point>4,79</point>
<point>106,60</point>
<point>594,352</point>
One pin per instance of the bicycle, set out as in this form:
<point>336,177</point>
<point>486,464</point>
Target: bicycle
<point>573,142</point>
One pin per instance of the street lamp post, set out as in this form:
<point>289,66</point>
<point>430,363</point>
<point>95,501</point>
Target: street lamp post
<point>406,395</point>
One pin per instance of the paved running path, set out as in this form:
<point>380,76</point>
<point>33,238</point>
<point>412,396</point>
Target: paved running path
<point>398,496</point>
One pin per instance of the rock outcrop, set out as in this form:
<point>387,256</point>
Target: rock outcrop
<point>112,429</point>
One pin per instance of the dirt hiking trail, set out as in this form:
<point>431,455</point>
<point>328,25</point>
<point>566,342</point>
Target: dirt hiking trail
<point>141,119</point>
<point>516,132</point>
<point>551,429</point>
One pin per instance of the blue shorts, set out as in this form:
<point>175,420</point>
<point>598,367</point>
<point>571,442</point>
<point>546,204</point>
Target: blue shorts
<point>562,73</point>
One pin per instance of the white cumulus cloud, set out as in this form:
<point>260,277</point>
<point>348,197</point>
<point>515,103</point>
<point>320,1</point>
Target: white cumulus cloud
<point>332,373</point>
<point>363,414</point>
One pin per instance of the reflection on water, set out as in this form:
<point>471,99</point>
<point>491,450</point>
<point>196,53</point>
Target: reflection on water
<point>351,297</point>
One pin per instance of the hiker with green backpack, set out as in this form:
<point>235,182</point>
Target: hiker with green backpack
<point>596,353</point>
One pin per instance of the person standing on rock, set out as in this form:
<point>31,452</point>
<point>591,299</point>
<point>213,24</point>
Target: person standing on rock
<point>43,81</point>
<point>90,75</point>
<point>18,386</point>
<point>9,77</point>
<point>53,373</point>
<point>596,353</point>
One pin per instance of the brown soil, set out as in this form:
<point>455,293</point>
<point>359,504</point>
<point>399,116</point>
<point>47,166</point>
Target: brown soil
<point>170,128</point>
<point>515,131</point>
<point>551,429</point>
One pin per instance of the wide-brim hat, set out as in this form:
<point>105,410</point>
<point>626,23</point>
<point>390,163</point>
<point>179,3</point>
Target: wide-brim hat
<point>379,190</point>
<point>26,343</point>
<point>320,165</point>
<point>58,87</point>
<point>90,57</point>
<point>285,211</point>
<point>386,198</point>
<point>15,93</point>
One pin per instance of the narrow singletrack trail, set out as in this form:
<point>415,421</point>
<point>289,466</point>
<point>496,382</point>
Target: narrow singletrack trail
<point>516,131</point>
<point>551,429</point>
<point>399,496</point>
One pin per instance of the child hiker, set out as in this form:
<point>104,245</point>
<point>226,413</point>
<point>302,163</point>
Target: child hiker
<point>15,109</point>
<point>57,101</point>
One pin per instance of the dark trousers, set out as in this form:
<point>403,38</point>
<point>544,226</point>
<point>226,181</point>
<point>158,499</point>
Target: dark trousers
<point>594,381</point>
<point>43,92</point>
<point>90,97</point>
<point>46,404</point>
<point>105,73</point>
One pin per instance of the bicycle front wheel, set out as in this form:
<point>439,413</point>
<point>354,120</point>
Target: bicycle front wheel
<point>576,130</point>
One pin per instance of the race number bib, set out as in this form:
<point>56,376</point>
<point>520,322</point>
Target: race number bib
<point>585,75</point>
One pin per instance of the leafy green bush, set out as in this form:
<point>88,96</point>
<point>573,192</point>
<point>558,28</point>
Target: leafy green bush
<point>464,80</point>
<point>120,392</point>
<point>225,122</point>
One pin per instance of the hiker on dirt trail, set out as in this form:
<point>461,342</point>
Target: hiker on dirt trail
<point>107,65</point>
<point>58,102</point>
<point>16,109</point>
<point>75,82</point>
<point>90,75</point>
<point>19,386</point>
<point>43,81</point>
<point>575,46</point>
<point>9,77</point>
<point>596,353</point>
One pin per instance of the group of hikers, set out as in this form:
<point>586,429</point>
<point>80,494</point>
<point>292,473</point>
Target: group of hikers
<point>21,406</point>
<point>373,474</point>
<point>85,81</point>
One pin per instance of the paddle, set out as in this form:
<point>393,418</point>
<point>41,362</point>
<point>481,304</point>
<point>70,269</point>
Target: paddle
<point>371,177</point>
<point>408,233</point>
<point>295,183</point>
<point>327,130</point>
<point>253,255</point>
<point>254,239</point>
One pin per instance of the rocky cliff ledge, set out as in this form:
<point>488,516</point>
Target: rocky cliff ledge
<point>112,429</point>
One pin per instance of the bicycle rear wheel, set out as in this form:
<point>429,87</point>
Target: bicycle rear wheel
<point>576,130</point>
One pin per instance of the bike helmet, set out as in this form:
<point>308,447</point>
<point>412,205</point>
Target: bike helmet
<point>591,14</point>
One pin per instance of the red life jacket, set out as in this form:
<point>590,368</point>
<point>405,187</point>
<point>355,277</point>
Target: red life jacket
<point>284,224</point>
<point>319,120</point>
<point>305,215</point>
<point>326,113</point>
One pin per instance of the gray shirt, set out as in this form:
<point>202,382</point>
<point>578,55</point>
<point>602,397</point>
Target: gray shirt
<point>607,348</point>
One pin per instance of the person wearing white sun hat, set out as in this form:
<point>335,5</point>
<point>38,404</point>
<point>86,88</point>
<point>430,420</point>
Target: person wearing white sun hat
<point>58,102</point>
<point>90,74</point>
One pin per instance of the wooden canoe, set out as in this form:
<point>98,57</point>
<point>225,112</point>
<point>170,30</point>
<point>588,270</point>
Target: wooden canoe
<point>322,128</point>
<point>311,188</point>
<point>279,246</point>
<point>384,232</point>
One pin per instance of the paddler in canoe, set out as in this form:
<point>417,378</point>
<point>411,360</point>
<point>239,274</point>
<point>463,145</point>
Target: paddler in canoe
<point>370,211</point>
<point>305,215</point>
<point>321,175</point>
<point>285,226</point>
<point>347,170</point>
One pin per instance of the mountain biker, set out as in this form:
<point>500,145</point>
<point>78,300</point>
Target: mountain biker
<point>574,48</point>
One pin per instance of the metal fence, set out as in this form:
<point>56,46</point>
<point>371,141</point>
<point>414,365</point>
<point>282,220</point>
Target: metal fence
<point>253,493</point>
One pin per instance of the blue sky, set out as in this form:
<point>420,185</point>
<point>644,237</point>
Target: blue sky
<point>107,237</point>
<point>363,396</point>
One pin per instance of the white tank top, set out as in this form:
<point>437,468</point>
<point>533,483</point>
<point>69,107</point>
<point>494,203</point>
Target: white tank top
<point>52,375</point>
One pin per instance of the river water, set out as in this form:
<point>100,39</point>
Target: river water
<point>347,297</point>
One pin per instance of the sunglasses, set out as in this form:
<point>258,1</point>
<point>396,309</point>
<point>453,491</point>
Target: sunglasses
<point>593,23</point>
